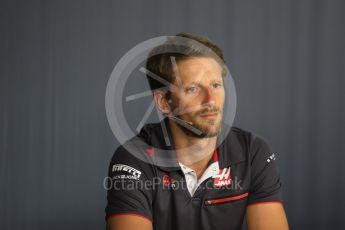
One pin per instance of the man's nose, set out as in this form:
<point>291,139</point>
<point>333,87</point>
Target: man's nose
<point>209,98</point>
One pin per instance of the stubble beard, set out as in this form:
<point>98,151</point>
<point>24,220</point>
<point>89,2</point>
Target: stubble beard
<point>204,125</point>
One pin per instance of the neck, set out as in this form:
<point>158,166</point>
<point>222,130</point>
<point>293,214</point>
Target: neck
<point>194,152</point>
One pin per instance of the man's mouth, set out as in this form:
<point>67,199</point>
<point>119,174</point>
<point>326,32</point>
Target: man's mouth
<point>209,116</point>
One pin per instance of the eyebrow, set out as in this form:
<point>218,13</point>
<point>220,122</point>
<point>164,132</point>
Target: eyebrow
<point>198,83</point>
<point>194,83</point>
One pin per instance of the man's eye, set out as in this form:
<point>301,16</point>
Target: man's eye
<point>192,89</point>
<point>217,85</point>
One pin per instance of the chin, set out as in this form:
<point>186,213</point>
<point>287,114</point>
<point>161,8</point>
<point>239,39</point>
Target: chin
<point>209,130</point>
<point>211,134</point>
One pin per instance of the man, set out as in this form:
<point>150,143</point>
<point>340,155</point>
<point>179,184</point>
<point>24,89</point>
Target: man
<point>200,180</point>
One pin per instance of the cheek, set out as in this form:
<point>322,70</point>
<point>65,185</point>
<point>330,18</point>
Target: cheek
<point>188,108</point>
<point>181,107</point>
<point>186,102</point>
<point>221,97</point>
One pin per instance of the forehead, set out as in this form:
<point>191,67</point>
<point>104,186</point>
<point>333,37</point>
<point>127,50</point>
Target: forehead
<point>201,69</point>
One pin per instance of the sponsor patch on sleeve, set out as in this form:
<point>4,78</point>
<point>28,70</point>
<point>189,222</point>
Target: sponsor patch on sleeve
<point>272,157</point>
<point>125,172</point>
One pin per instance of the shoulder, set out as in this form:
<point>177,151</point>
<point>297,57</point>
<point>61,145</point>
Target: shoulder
<point>247,137</point>
<point>246,144</point>
<point>131,158</point>
<point>240,139</point>
<point>255,149</point>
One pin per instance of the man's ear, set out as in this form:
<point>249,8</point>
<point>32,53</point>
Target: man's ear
<point>161,101</point>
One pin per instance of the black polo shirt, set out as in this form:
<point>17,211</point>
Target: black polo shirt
<point>137,186</point>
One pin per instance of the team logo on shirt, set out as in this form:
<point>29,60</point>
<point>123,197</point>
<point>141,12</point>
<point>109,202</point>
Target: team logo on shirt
<point>133,173</point>
<point>223,178</point>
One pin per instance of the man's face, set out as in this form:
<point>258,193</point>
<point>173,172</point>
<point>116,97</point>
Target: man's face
<point>199,95</point>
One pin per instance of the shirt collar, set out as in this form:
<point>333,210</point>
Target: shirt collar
<point>212,166</point>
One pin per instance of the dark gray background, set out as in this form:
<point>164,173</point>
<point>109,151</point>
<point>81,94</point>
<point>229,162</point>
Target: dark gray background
<point>287,59</point>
